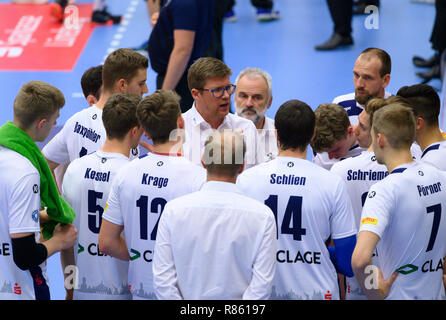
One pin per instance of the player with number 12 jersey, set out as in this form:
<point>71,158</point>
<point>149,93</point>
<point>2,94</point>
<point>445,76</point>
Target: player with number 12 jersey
<point>310,205</point>
<point>137,199</point>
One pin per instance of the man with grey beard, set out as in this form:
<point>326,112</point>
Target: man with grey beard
<point>371,75</point>
<point>253,97</point>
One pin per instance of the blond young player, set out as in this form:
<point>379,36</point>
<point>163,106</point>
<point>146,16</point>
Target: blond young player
<point>401,218</point>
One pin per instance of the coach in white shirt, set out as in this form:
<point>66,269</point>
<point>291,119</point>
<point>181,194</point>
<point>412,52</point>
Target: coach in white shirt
<point>211,88</point>
<point>253,97</point>
<point>216,243</point>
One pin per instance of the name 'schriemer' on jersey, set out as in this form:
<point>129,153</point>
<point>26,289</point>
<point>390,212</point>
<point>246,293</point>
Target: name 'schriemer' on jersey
<point>366,175</point>
<point>86,132</point>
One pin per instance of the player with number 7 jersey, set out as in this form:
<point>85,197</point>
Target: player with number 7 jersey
<point>310,205</point>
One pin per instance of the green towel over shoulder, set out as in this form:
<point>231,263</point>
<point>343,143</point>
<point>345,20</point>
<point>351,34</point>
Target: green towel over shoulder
<point>14,138</point>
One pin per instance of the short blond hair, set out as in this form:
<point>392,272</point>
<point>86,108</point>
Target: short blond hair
<point>331,126</point>
<point>205,68</point>
<point>397,123</point>
<point>36,100</point>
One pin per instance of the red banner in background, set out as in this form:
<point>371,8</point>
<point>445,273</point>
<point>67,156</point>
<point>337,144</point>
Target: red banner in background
<point>33,40</point>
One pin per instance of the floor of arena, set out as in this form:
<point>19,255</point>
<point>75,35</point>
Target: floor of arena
<point>34,47</point>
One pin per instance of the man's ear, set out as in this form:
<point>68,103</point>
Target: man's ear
<point>195,93</point>
<point>269,102</point>
<point>350,130</point>
<point>381,139</point>
<point>41,123</point>
<point>180,122</point>
<point>386,80</point>
<point>122,85</point>
<point>91,99</point>
<point>420,123</point>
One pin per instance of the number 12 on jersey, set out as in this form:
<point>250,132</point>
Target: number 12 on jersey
<point>292,218</point>
<point>156,206</point>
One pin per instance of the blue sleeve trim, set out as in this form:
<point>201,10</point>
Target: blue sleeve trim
<point>343,255</point>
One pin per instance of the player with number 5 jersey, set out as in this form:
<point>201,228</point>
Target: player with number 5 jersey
<point>311,206</point>
<point>144,186</point>
<point>86,187</point>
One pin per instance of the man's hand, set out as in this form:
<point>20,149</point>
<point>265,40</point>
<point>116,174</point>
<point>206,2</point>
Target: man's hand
<point>385,285</point>
<point>66,235</point>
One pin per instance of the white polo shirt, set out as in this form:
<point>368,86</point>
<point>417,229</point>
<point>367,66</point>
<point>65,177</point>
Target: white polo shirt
<point>215,244</point>
<point>406,211</point>
<point>197,130</point>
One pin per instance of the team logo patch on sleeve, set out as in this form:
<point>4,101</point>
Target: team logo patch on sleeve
<point>35,215</point>
<point>35,188</point>
<point>369,220</point>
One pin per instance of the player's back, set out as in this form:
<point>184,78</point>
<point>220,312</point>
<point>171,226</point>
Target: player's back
<point>139,194</point>
<point>19,212</point>
<point>310,205</point>
<point>405,210</point>
<point>435,154</point>
<point>82,134</point>
<point>359,174</point>
<point>86,186</point>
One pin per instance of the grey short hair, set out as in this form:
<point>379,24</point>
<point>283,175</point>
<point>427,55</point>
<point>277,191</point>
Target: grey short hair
<point>254,73</point>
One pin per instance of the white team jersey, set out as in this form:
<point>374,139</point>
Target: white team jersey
<point>435,154</point>
<point>353,108</point>
<point>323,160</point>
<point>197,130</point>
<point>136,201</point>
<point>359,174</point>
<point>310,205</point>
<point>267,144</point>
<point>215,244</point>
<point>82,134</point>
<point>86,187</point>
<point>405,210</point>
<point>19,212</point>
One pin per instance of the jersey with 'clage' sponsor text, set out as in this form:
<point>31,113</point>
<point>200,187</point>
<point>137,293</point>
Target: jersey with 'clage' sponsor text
<point>137,199</point>
<point>310,205</point>
<point>86,186</point>
<point>407,211</point>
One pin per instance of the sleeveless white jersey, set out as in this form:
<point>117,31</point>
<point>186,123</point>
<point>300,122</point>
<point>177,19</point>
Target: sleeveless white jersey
<point>310,205</point>
<point>82,134</point>
<point>19,212</point>
<point>406,210</point>
<point>137,199</point>
<point>435,154</point>
<point>86,187</point>
<point>359,174</point>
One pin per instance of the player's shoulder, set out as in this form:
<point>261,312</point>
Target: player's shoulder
<point>357,160</point>
<point>344,98</point>
<point>13,163</point>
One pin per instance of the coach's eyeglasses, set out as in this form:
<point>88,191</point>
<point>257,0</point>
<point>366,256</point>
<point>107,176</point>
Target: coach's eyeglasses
<point>219,92</point>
